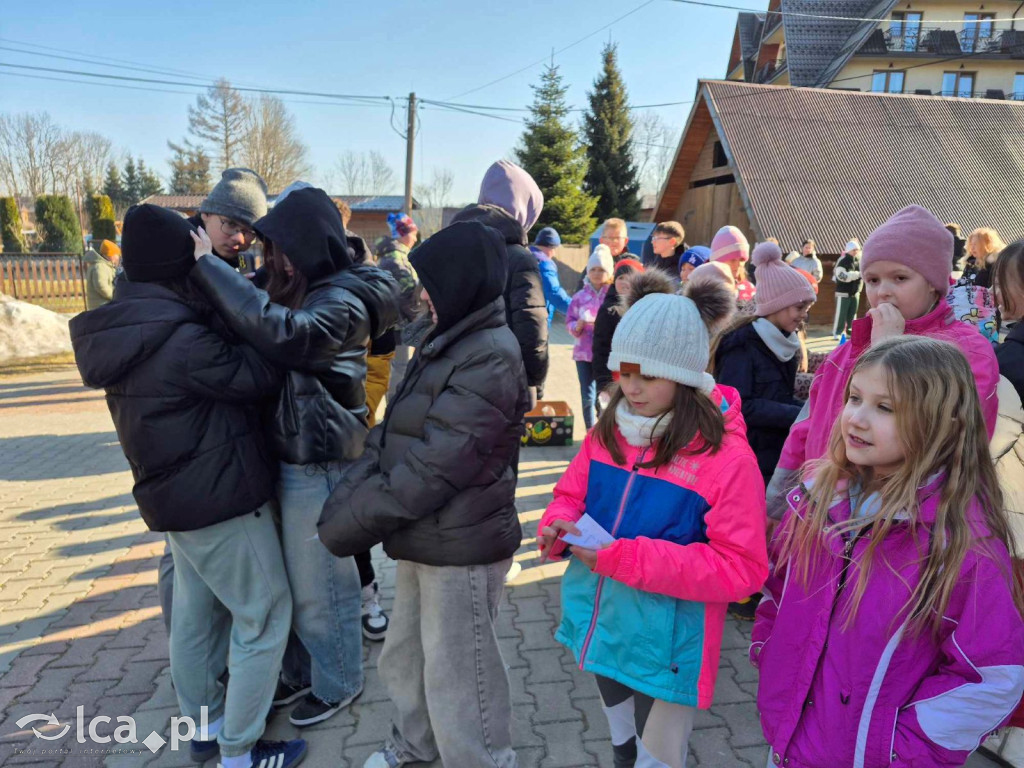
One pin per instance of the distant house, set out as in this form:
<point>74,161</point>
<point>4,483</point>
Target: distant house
<point>369,212</point>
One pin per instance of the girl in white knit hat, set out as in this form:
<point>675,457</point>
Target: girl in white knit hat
<point>661,510</point>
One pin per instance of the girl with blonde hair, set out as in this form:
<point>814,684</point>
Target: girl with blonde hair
<point>983,247</point>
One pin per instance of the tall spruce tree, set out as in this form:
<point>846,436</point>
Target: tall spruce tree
<point>608,128</point>
<point>190,169</point>
<point>552,154</point>
<point>113,189</point>
<point>131,180</point>
<point>149,182</point>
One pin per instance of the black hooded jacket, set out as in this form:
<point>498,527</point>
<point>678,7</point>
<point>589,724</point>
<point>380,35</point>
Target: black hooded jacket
<point>321,414</point>
<point>436,483</point>
<point>184,403</point>
<point>525,308</point>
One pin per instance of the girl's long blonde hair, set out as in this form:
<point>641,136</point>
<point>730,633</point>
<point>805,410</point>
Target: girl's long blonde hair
<point>942,430</point>
<point>983,242</point>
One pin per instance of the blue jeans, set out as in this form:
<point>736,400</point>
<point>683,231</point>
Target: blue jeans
<point>588,390</point>
<point>325,590</point>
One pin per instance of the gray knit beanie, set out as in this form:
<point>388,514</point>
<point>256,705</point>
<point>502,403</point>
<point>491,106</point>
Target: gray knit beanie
<point>240,195</point>
<point>668,335</point>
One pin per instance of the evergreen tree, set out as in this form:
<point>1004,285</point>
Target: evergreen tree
<point>149,182</point>
<point>190,170</point>
<point>131,181</point>
<point>101,217</point>
<point>10,225</point>
<point>113,189</point>
<point>58,225</point>
<point>552,154</point>
<point>608,128</point>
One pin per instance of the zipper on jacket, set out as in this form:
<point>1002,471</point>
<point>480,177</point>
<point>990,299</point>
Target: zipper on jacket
<point>600,579</point>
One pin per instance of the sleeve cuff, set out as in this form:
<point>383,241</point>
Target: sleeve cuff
<point>617,561</point>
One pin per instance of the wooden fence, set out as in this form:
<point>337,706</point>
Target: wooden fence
<point>55,281</point>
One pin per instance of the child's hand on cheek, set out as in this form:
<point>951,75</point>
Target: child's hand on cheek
<point>886,323</point>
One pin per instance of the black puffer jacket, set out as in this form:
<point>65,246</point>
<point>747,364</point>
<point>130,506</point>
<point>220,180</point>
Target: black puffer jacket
<point>765,385</point>
<point>436,483</point>
<point>184,403</point>
<point>525,308</point>
<point>1010,355</point>
<point>321,414</point>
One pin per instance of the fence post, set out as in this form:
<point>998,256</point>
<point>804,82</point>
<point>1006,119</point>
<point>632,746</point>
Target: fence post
<point>81,276</point>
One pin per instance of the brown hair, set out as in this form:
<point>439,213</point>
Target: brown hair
<point>942,430</point>
<point>692,415</point>
<point>287,290</point>
<point>1008,278</point>
<point>672,228</point>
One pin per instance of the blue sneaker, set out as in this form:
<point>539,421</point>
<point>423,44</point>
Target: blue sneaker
<point>201,751</point>
<point>277,754</point>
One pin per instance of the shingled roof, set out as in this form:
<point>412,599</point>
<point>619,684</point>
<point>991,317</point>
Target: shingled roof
<point>813,44</point>
<point>749,27</point>
<point>837,164</point>
<point>862,32</point>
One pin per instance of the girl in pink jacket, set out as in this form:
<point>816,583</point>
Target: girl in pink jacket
<point>669,477</point>
<point>905,268</point>
<point>890,632</point>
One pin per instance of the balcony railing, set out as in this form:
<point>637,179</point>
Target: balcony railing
<point>944,42</point>
<point>769,71</point>
<point>772,20</point>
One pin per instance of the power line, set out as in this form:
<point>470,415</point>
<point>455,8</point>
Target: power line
<point>555,53</point>
<point>725,7</point>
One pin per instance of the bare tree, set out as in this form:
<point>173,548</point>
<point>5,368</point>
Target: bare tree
<point>219,118</point>
<point>365,173</point>
<point>270,145</point>
<point>654,146</point>
<point>433,198</point>
<point>93,152</point>
<point>28,146</point>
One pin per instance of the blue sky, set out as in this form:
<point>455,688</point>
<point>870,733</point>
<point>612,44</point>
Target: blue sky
<point>386,47</point>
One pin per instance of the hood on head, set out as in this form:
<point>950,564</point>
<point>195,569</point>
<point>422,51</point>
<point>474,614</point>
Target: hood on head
<point>110,341</point>
<point>306,227</point>
<point>463,268</point>
<point>496,218</point>
<point>512,189</point>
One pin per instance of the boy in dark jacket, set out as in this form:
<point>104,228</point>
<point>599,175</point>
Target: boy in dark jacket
<point>183,402</point>
<point>436,486</point>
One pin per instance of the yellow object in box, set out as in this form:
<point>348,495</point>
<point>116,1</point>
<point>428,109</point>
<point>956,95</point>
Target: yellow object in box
<point>549,423</point>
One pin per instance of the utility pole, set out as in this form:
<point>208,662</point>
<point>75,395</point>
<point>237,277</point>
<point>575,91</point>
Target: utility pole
<point>410,142</point>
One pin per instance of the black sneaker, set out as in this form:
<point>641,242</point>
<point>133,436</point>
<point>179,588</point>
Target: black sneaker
<point>375,621</point>
<point>278,754</point>
<point>745,610</point>
<point>312,710</point>
<point>288,694</point>
<point>201,751</point>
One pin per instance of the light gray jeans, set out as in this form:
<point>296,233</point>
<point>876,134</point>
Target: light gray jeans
<point>443,669</point>
<point>232,611</point>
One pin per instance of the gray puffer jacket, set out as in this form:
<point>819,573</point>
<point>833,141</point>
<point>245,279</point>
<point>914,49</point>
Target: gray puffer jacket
<point>436,483</point>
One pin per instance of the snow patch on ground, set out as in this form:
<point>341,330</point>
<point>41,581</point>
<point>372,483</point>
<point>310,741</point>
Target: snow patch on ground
<point>28,331</point>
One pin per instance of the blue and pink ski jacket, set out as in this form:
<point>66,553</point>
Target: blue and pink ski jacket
<point>690,539</point>
<point>878,694</point>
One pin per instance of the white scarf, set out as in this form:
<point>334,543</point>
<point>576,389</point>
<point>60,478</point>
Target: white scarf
<point>782,346</point>
<point>640,431</point>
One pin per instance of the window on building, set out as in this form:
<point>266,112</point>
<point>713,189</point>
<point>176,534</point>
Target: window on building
<point>887,81</point>
<point>1018,86</point>
<point>978,31</point>
<point>719,159</point>
<point>905,30</point>
<point>958,84</point>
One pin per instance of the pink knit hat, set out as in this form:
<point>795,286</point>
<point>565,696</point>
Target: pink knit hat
<point>714,273</point>
<point>915,239</point>
<point>778,284</point>
<point>729,243</point>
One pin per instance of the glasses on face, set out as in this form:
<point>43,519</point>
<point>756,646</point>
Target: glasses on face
<point>232,228</point>
<point>660,237</point>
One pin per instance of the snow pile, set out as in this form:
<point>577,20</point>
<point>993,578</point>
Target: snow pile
<point>28,331</point>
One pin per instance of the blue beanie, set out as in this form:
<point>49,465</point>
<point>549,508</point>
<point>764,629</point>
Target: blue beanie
<point>697,256</point>
<point>548,237</point>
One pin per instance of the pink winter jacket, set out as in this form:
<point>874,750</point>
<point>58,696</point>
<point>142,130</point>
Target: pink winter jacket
<point>877,694</point>
<point>690,538</point>
<point>809,436</point>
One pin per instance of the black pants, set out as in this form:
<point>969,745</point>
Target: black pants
<point>365,565</point>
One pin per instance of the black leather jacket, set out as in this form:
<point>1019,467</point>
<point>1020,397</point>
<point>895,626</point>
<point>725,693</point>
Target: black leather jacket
<point>320,415</point>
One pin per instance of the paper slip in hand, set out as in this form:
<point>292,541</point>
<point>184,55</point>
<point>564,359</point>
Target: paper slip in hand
<point>592,535</point>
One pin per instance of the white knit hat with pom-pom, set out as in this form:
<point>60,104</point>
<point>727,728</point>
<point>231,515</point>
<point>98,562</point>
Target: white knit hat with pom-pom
<point>668,336</point>
<point>778,284</point>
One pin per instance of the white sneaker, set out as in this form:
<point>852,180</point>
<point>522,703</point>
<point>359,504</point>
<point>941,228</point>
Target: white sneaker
<point>386,757</point>
<point>514,570</point>
<point>375,621</point>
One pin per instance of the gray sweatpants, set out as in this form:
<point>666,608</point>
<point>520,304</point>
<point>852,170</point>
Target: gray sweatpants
<point>232,611</point>
<point>443,669</point>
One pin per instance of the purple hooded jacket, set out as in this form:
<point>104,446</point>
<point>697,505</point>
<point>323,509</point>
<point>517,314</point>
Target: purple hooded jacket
<point>585,305</point>
<point>877,694</point>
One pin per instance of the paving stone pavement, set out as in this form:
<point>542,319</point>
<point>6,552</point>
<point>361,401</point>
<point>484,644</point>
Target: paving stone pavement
<point>80,624</point>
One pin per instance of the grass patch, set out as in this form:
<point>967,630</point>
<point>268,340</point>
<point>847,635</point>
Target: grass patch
<point>41,364</point>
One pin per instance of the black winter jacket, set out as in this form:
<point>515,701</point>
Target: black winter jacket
<point>320,415</point>
<point>525,308</point>
<point>766,386</point>
<point>184,403</point>
<point>605,323</point>
<point>1010,355</point>
<point>436,483</point>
